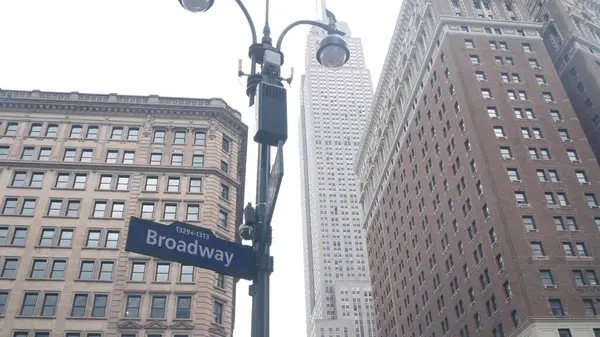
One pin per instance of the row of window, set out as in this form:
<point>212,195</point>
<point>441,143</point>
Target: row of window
<point>60,237</point>
<point>521,114</point>
<point>95,305</point>
<point>113,209</point>
<point>50,130</point>
<point>112,156</point>
<point>103,270</point>
<point>561,223</point>
<point>499,45</point>
<point>555,199</point>
<point>547,175</point>
<point>512,78</point>
<point>580,251</point>
<point>486,93</point>
<point>107,182</point>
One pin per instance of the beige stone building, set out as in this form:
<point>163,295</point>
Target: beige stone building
<point>73,168</point>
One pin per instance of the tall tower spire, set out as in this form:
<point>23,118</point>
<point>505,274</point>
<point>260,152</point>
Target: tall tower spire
<point>321,8</point>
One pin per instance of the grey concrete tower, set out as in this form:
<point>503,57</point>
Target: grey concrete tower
<point>334,107</point>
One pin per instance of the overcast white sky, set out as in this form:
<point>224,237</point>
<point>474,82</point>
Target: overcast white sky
<point>143,47</point>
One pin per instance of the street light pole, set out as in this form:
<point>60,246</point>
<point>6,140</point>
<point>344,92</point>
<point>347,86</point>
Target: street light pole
<point>271,131</point>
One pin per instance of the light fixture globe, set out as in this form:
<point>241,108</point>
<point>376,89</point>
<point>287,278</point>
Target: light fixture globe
<point>196,6</point>
<point>333,52</point>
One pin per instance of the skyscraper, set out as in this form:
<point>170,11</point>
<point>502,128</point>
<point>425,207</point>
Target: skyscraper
<point>74,168</point>
<point>478,187</point>
<point>572,37</point>
<point>334,106</point>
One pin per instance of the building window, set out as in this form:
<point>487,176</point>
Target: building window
<point>10,206</point>
<point>200,138</point>
<point>198,160</point>
<point>112,239</point>
<point>9,269</point>
<point>38,269</point>
<point>159,137</point>
<point>537,249</point>
<point>111,156</point>
<point>138,272</point>
<point>132,306</point>
<point>92,132</point>
<point>133,133</point>
<point>486,93</point>
<point>184,307</point>
<point>128,157</point>
<point>158,306</point>
<point>116,133</point>
<point>223,218</point>
<point>224,166</point>
<point>4,152</point>
<point>186,274</point>
<point>219,281</point>
<point>106,270</point>
<point>79,305</point>
<point>170,211</point>
<point>179,137</point>
<point>564,333</point>
<point>29,304</point>
<point>76,131</point>
<point>151,184</point>
<point>173,184</point>
<point>224,191</point>
<point>195,185</point>
<point>155,159</point>
<point>3,301</point>
<point>99,306</point>
<point>163,272</point>
<point>52,131</point>
<point>49,304</point>
<point>556,307</point>
<point>99,209</point>
<point>147,211</point>
<point>193,212</point>
<point>217,312</point>
<point>58,270</point>
<point>86,156</point>
<point>86,270</point>
<point>225,144</point>
<point>177,159</point>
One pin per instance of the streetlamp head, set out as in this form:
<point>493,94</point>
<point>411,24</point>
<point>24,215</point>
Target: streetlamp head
<point>196,6</point>
<point>333,52</point>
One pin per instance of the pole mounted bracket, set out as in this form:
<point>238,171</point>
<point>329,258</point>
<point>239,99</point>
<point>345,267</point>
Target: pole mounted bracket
<point>264,262</point>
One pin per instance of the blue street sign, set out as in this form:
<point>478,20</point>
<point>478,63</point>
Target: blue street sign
<point>190,245</point>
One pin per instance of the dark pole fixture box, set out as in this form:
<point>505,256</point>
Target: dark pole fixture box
<point>271,114</point>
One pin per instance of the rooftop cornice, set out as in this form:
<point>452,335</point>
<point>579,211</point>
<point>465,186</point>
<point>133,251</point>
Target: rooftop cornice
<point>121,105</point>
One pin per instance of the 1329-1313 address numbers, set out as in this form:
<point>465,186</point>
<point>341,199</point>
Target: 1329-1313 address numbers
<point>191,232</point>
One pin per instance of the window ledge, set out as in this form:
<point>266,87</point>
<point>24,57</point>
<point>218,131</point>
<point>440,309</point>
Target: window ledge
<point>18,215</point>
<point>86,318</point>
<point>36,317</point>
<point>46,279</point>
<point>99,248</point>
<point>93,280</point>
<point>25,187</point>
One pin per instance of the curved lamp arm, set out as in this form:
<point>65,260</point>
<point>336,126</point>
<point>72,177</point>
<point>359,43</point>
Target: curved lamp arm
<point>329,28</point>
<point>249,19</point>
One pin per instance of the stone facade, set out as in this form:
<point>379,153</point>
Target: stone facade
<point>74,168</point>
